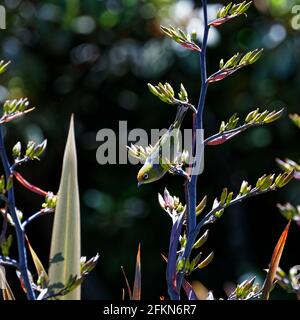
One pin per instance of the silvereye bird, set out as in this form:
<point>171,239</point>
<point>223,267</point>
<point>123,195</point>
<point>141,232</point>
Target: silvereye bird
<point>155,166</point>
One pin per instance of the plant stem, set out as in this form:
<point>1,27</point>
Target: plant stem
<point>191,186</point>
<point>19,162</point>
<point>35,216</point>
<point>239,198</point>
<point>230,132</point>
<point>18,227</point>
<point>4,227</point>
<point>9,262</point>
<point>201,103</point>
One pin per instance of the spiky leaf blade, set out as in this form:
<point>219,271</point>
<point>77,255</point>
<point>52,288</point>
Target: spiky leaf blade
<point>277,253</point>
<point>65,244</point>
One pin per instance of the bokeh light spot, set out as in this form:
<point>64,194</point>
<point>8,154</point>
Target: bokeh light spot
<point>260,138</point>
<point>128,99</point>
<point>98,200</point>
<point>148,11</point>
<point>84,53</point>
<point>34,133</point>
<point>108,19</point>
<point>84,25</point>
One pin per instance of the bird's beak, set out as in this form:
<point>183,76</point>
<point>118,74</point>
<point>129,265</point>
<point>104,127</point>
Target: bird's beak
<point>139,184</point>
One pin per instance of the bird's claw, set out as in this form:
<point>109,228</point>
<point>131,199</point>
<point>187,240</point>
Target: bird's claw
<point>179,171</point>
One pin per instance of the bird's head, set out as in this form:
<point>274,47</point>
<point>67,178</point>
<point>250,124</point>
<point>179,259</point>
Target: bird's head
<point>149,173</point>
<point>144,175</point>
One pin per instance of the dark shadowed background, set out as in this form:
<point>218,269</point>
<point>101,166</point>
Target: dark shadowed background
<point>94,59</point>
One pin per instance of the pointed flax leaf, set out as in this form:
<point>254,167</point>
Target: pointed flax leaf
<point>4,286</point>
<point>37,262</point>
<point>7,293</point>
<point>187,287</point>
<point>127,285</point>
<point>136,294</point>
<point>65,243</point>
<point>274,263</point>
<point>2,277</point>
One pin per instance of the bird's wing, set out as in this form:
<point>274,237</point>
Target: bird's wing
<point>166,140</point>
<point>180,114</point>
<point>140,152</point>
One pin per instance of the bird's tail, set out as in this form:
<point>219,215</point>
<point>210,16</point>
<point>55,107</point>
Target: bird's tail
<point>181,111</point>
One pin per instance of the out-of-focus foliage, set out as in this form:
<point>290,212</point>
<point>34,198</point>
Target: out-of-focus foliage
<point>296,119</point>
<point>94,59</point>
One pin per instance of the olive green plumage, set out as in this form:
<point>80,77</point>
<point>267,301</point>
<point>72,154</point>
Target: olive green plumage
<point>165,152</point>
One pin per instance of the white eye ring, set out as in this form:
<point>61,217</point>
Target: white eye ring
<point>145,176</point>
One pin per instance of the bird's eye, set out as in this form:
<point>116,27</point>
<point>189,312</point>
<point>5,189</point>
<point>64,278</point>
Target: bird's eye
<point>145,176</point>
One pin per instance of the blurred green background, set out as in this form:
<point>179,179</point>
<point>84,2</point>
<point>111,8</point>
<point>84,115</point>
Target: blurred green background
<point>94,58</point>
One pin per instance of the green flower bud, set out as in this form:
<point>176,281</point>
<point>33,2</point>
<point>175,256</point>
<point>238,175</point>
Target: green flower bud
<point>30,149</point>
<point>16,151</point>
<point>39,149</point>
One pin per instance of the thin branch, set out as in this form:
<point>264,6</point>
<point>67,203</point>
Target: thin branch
<point>18,163</point>
<point>254,192</point>
<point>224,134</point>
<point>28,185</point>
<point>9,262</point>
<point>23,266</point>
<point>9,117</point>
<point>223,73</point>
<point>36,215</point>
